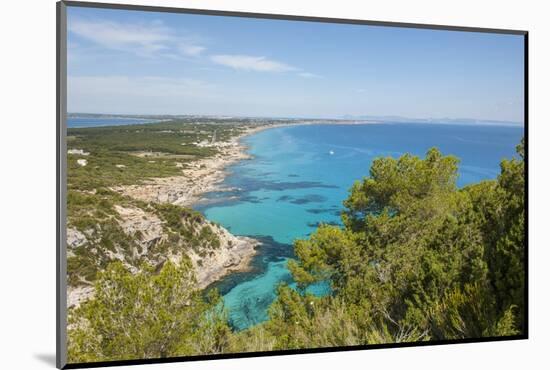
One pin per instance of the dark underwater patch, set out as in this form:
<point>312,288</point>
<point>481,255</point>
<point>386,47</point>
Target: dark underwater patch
<point>254,184</point>
<point>250,199</point>
<point>284,198</point>
<point>332,210</point>
<point>311,198</point>
<point>268,251</point>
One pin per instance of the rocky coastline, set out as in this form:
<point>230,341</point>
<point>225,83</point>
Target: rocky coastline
<point>197,178</point>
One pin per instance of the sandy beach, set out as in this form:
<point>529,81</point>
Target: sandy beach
<point>197,178</point>
<point>204,175</point>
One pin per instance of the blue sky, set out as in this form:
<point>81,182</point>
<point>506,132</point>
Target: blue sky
<point>133,62</point>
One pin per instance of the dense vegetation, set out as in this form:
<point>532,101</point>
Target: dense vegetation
<point>106,241</point>
<point>122,155</point>
<point>417,259</point>
<point>146,315</point>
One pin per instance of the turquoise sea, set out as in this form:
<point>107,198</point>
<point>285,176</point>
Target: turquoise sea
<point>299,176</point>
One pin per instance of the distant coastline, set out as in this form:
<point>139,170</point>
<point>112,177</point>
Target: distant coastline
<point>345,119</point>
<point>202,176</point>
<point>86,122</point>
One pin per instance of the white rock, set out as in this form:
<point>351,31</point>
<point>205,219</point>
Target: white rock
<point>77,152</point>
<point>148,224</point>
<point>75,238</point>
<point>77,295</point>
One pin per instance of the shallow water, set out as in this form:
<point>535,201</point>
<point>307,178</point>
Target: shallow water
<point>300,175</point>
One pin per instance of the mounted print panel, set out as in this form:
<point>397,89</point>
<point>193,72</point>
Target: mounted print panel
<point>239,184</point>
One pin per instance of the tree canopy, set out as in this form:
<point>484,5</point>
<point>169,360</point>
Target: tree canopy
<point>417,259</point>
<point>147,314</point>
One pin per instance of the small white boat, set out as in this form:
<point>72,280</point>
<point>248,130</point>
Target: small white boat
<point>331,152</point>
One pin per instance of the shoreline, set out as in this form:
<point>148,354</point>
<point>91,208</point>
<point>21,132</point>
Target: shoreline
<point>203,176</point>
<point>198,178</point>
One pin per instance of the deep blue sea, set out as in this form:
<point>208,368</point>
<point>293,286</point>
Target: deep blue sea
<point>76,122</point>
<point>300,175</point>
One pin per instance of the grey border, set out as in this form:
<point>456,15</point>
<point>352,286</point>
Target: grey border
<point>61,175</point>
<point>61,194</point>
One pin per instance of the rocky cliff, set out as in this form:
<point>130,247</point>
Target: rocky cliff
<point>135,232</point>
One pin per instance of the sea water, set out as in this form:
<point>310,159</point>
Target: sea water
<point>298,177</point>
<point>80,122</point>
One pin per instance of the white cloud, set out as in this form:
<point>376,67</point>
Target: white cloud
<point>155,39</point>
<point>252,63</point>
<point>146,39</point>
<point>191,50</point>
<point>309,75</point>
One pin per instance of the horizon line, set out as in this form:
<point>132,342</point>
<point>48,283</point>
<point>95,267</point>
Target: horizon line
<point>343,117</point>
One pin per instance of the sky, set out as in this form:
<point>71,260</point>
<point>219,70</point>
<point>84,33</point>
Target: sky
<point>135,62</point>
